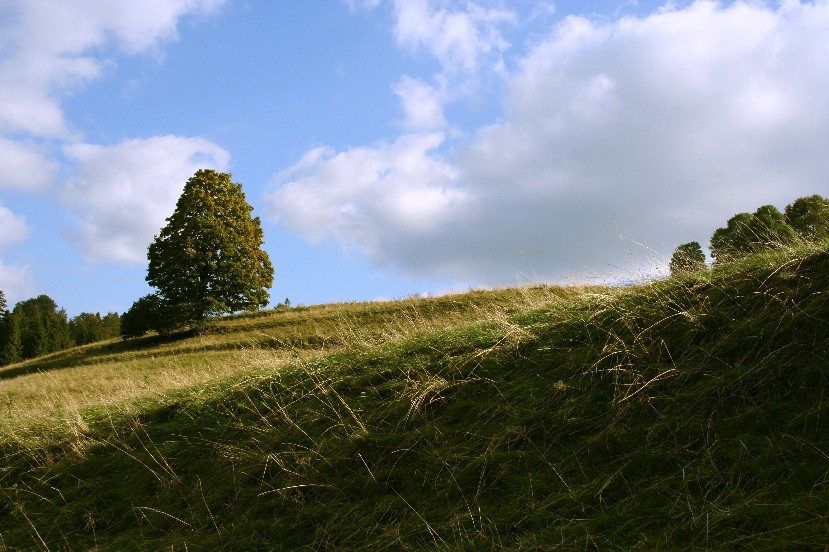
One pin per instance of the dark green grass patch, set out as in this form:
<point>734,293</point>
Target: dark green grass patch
<point>686,414</point>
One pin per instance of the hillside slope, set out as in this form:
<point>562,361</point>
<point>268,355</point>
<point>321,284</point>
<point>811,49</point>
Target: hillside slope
<point>688,413</point>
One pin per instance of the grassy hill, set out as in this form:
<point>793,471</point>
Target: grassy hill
<point>689,413</point>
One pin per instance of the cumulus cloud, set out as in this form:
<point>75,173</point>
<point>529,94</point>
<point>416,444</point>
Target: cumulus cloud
<point>369,197</point>
<point>667,123</point>
<point>123,193</point>
<point>422,104</point>
<point>654,129</point>
<point>458,38</point>
<point>15,228</point>
<point>16,282</point>
<point>26,166</point>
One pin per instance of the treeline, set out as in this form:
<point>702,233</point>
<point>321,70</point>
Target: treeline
<point>37,327</point>
<point>805,220</point>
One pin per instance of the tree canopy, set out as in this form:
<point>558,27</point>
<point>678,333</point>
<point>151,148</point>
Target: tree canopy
<point>208,259</point>
<point>89,328</point>
<point>770,228</point>
<point>809,217</point>
<point>751,232</point>
<point>143,316</point>
<point>687,257</point>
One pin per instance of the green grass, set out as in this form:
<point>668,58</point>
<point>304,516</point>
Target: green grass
<point>689,413</point>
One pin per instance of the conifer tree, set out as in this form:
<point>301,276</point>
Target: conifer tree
<point>10,346</point>
<point>36,327</point>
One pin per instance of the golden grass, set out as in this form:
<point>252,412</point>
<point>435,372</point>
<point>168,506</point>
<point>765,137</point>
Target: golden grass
<point>61,389</point>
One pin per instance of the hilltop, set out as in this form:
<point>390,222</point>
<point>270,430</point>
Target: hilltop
<point>685,413</point>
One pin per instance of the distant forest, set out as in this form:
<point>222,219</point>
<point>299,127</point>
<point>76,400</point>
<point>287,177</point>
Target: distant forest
<point>37,327</point>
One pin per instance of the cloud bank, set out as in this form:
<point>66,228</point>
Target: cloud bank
<point>651,129</point>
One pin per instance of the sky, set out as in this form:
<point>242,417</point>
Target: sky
<point>401,147</point>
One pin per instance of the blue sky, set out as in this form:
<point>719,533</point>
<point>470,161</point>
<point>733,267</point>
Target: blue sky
<point>394,147</point>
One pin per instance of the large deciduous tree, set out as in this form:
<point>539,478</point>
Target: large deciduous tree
<point>208,259</point>
<point>809,216</point>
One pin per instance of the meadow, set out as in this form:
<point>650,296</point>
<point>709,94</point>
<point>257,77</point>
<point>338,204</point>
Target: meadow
<point>686,413</point>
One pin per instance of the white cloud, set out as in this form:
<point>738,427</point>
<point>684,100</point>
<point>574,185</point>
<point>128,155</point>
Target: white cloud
<point>365,196</point>
<point>422,103</point>
<point>458,38</point>
<point>692,108</point>
<point>123,193</point>
<point>652,129</point>
<point>52,47</point>
<point>468,45</point>
<point>16,283</point>
<point>25,166</point>
<point>15,228</point>
<point>15,279</point>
